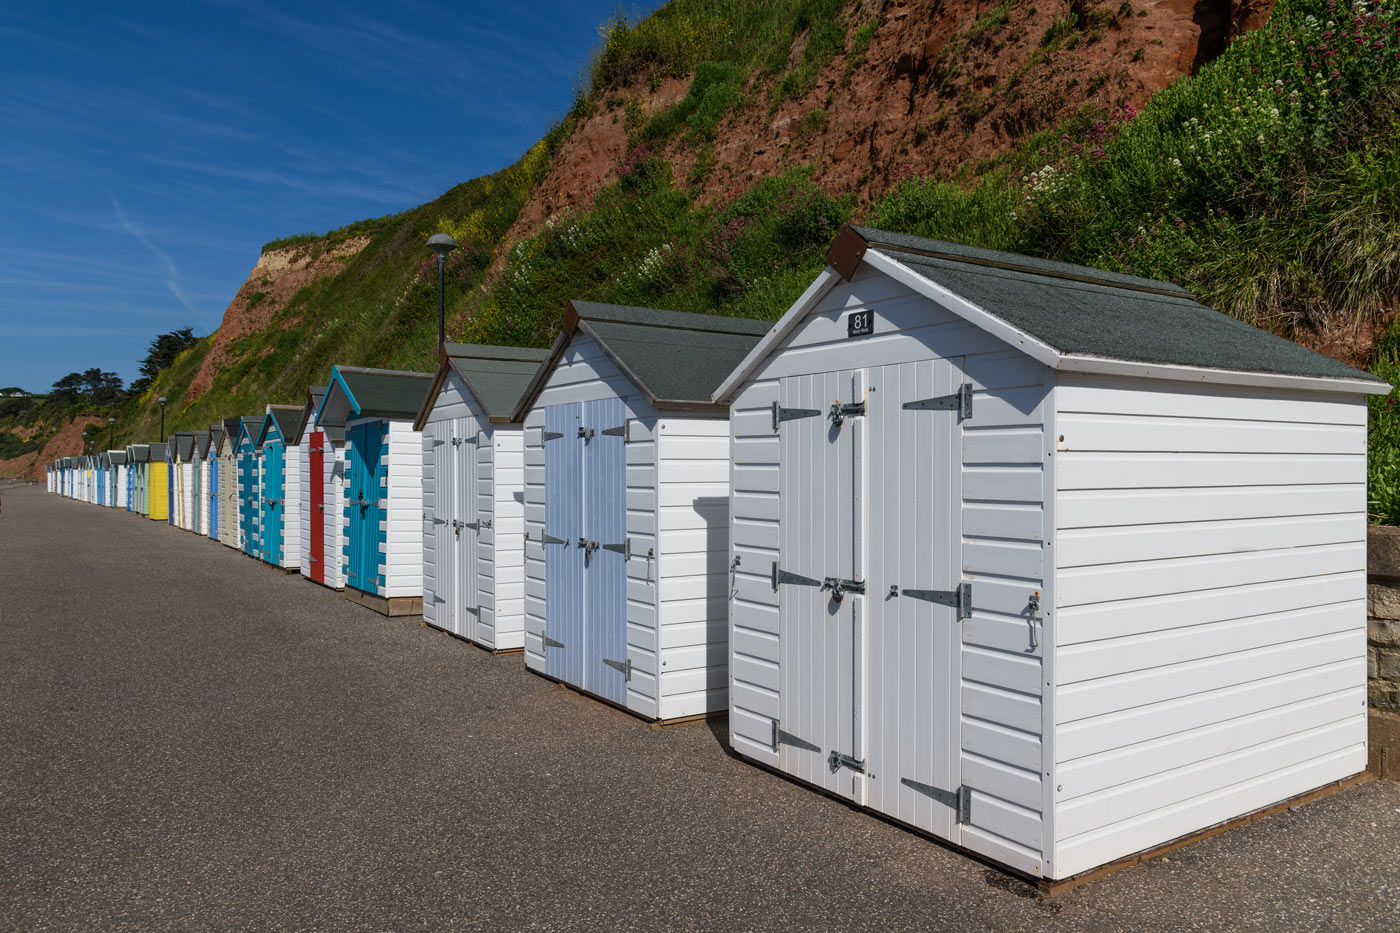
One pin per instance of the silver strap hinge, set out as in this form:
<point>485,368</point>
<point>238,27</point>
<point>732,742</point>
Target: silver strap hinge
<point>619,431</point>
<point>960,598</point>
<point>781,414</point>
<point>472,610</point>
<point>550,539</point>
<point>550,435</point>
<point>550,642</point>
<point>624,666</point>
<point>787,738</point>
<point>625,548</point>
<point>787,576</point>
<point>959,800</point>
<point>960,402</point>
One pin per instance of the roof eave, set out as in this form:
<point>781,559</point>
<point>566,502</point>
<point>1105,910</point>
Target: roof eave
<point>434,389</point>
<point>1098,365</point>
<point>541,376</point>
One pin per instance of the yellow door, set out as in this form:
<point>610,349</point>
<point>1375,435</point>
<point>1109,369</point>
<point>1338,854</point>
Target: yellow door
<point>158,491</point>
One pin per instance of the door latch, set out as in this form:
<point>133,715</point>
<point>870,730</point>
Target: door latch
<point>839,588</point>
<point>838,760</point>
<point>588,548</point>
<point>585,433</point>
<point>840,412</point>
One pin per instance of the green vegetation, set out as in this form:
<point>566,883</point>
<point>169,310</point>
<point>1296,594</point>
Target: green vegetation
<point>1269,184</point>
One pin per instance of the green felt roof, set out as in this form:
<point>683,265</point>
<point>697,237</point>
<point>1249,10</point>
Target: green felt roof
<point>314,395</point>
<point>287,419</point>
<point>496,376</point>
<point>1079,311</point>
<point>385,393</point>
<point>676,358</point>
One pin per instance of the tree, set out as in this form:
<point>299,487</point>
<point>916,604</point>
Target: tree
<point>69,389</point>
<point>161,353</point>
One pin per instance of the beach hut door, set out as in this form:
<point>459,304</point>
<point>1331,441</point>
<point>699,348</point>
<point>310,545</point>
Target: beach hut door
<point>821,580</point>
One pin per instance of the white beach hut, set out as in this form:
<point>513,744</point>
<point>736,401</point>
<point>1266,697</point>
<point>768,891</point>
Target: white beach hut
<point>1055,564</point>
<point>473,494</point>
<point>321,462</point>
<point>627,507</point>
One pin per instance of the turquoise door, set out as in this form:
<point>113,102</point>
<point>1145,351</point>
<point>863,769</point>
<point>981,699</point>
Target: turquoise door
<point>364,534</point>
<point>274,486</point>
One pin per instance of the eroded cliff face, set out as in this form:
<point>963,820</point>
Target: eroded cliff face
<point>943,84</point>
<point>277,276</point>
<point>68,442</point>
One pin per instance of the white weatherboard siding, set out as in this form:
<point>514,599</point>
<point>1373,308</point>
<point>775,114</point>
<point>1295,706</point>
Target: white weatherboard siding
<point>203,505</point>
<point>292,496</point>
<point>677,478</point>
<point>228,495</point>
<point>501,483</point>
<point>303,501</point>
<point>186,494</point>
<point>1211,644</point>
<point>403,563</point>
<point>978,716</point>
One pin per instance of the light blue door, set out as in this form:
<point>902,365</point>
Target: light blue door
<point>248,495</point>
<point>274,486</point>
<point>605,531</point>
<point>563,558</point>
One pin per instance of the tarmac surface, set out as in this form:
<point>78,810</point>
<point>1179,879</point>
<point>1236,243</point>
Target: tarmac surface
<point>190,740</point>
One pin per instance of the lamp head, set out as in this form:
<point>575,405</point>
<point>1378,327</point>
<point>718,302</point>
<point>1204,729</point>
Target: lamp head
<point>442,244</point>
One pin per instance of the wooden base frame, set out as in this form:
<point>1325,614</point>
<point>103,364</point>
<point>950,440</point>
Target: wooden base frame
<point>654,723</point>
<point>391,606</point>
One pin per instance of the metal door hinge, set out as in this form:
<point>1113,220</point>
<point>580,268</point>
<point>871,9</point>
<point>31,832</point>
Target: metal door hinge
<point>550,539</point>
<point>781,414</point>
<point>472,610</point>
<point>619,431</point>
<point>550,642</point>
<point>550,435</point>
<point>624,666</point>
<point>959,800</point>
<point>625,548</point>
<point>960,402</point>
<point>787,738</point>
<point>838,760</point>
<point>787,576</point>
<point>585,433</point>
<point>960,598</point>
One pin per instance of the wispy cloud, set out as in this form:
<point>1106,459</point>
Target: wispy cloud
<point>172,274</point>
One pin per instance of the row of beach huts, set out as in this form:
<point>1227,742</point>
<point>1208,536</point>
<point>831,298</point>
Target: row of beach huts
<point>1054,564</point>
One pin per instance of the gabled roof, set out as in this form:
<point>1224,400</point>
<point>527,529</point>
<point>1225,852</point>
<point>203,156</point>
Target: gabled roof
<point>216,435</point>
<point>280,422</point>
<point>356,392</point>
<point>159,452</point>
<point>314,394</point>
<point>184,445</point>
<point>249,426</point>
<point>117,457</point>
<point>1073,318</point>
<point>495,376</point>
<point>140,453</point>
<point>677,359</point>
<point>201,444</point>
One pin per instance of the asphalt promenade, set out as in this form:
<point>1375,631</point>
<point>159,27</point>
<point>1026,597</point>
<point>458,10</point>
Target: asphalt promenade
<point>190,740</point>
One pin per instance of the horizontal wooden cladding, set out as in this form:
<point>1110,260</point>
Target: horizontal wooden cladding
<point>1020,444</point>
<point>1139,688</point>
<point>1167,788</point>
<point>1082,585</point>
<point>1085,546</point>
<point>1099,508</point>
<point>1079,624</point>
<point>1133,835</point>
<point>1159,471</point>
<point>1018,521</point>
<point>1111,656</point>
<point>1003,484</point>
<point>1160,754</point>
<point>1082,392</point>
<point>1082,431</point>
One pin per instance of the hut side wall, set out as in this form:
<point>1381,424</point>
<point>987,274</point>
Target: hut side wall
<point>1211,606</point>
<point>403,543</point>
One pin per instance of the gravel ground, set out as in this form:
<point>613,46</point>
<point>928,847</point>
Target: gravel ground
<point>193,741</point>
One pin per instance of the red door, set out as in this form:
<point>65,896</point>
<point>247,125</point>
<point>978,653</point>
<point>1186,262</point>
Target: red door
<point>317,479</point>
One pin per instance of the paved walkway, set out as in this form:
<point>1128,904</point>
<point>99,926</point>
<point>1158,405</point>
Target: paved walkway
<point>189,740</point>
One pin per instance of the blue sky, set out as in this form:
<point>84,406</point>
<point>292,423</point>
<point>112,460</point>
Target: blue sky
<point>147,150</point>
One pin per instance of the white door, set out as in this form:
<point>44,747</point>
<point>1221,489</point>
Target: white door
<point>915,643</point>
<point>819,576</point>
<point>466,517</point>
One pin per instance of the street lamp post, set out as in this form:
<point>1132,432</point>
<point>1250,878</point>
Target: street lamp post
<point>162,401</point>
<point>442,244</point>
<point>111,432</point>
